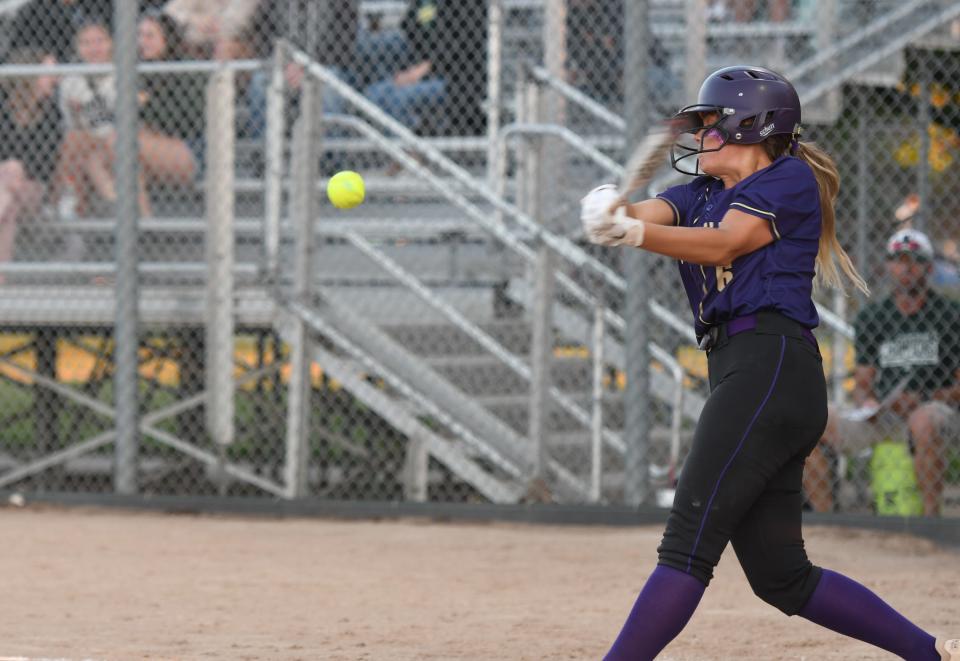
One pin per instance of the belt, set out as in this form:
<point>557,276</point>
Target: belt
<point>774,320</point>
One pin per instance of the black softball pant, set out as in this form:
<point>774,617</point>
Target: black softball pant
<point>742,479</point>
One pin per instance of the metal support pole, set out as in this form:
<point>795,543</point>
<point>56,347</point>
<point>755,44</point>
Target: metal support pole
<point>596,419</point>
<point>541,355</point>
<point>528,108</point>
<point>416,463</point>
<point>500,152</point>
<point>304,209</point>
<point>528,192</point>
<point>220,256</point>
<point>695,51</point>
<point>191,344</point>
<point>541,343</point>
<point>547,153</point>
<point>274,146</point>
<point>838,349</point>
<point>864,179</point>
<point>923,124</point>
<point>126,169</point>
<point>555,61</point>
<point>637,431</point>
<point>825,39</point>
<point>494,85</point>
<point>46,402</point>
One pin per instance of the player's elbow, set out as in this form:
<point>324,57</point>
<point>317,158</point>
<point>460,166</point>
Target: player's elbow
<point>731,246</point>
<point>723,254</point>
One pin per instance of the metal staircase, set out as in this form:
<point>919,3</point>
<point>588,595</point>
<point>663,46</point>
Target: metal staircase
<point>465,409</point>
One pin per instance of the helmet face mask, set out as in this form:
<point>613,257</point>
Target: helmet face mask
<point>687,144</point>
<point>753,104</point>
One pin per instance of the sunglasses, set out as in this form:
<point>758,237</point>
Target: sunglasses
<point>910,248</point>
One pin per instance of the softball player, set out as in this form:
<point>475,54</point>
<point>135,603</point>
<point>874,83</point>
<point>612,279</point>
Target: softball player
<point>749,234</point>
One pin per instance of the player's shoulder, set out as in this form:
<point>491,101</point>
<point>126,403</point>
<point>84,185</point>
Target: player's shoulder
<point>786,178</point>
<point>791,168</point>
<point>786,186</point>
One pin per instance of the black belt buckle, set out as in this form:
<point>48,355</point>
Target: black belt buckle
<point>709,338</point>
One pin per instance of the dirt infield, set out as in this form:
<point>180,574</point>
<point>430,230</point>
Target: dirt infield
<point>85,584</point>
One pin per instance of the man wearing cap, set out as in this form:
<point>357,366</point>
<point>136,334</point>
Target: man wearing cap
<point>907,377</point>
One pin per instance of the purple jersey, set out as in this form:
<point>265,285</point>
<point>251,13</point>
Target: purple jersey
<point>778,276</point>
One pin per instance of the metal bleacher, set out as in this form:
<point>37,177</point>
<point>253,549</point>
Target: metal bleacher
<point>40,285</point>
<point>415,225</point>
<point>38,281</point>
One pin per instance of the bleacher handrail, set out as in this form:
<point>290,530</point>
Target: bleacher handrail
<point>571,138</point>
<point>166,66</point>
<point>571,93</point>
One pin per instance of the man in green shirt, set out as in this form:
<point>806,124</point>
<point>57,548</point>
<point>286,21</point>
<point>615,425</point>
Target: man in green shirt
<point>907,377</point>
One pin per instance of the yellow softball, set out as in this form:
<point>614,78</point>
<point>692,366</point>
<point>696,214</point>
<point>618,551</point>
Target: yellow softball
<point>345,189</point>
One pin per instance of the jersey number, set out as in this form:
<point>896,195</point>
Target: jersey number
<point>724,276</point>
<point>724,273</point>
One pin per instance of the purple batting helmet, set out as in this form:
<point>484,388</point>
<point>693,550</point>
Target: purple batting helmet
<point>752,103</point>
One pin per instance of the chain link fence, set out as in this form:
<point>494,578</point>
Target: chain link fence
<point>454,338</point>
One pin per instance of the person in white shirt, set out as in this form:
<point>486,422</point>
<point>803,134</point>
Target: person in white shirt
<point>87,105</point>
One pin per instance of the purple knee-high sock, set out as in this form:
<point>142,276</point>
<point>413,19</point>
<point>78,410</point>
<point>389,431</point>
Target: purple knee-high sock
<point>663,608</point>
<point>845,606</point>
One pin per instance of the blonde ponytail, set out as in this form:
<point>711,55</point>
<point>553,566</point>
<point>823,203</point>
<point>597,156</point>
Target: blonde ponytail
<point>831,252</point>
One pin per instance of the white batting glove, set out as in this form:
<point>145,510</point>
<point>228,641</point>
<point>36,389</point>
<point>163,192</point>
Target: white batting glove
<point>605,227</point>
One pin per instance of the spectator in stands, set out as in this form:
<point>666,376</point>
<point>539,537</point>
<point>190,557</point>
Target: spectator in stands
<point>171,110</point>
<point>29,137</point>
<point>215,28</point>
<point>907,378</point>
<point>440,83</point>
<point>87,105</point>
<point>50,25</point>
<point>946,262</point>
<point>326,31</point>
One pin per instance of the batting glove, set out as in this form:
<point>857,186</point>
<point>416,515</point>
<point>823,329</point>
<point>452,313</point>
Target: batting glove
<point>605,227</point>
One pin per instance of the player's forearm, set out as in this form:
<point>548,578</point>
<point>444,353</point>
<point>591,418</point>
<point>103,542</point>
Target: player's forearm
<point>697,245</point>
<point>654,210</point>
